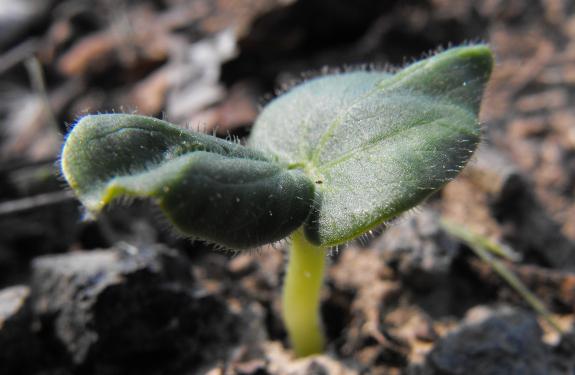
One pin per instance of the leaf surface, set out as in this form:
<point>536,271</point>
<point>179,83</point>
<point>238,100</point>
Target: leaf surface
<point>207,187</point>
<point>377,144</point>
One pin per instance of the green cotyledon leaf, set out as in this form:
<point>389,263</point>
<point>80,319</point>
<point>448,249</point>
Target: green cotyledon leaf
<point>377,144</point>
<point>208,188</point>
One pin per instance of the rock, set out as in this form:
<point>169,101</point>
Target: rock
<point>419,250</point>
<point>502,340</point>
<point>564,354</point>
<point>131,308</point>
<point>20,348</point>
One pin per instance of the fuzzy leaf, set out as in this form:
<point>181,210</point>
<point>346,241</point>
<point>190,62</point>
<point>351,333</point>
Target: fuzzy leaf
<point>207,187</point>
<point>377,144</point>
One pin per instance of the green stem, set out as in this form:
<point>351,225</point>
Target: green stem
<point>301,296</point>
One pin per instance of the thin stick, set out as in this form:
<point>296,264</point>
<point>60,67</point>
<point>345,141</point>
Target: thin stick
<point>36,74</point>
<point>25,204</point>
<point>486,255</point>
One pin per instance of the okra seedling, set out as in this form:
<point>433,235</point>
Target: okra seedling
<point>327,161</point>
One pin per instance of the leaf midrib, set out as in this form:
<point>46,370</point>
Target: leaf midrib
<point>313,168</point>
<point>333,125</point>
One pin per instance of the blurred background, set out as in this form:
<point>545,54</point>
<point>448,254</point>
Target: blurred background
<point>212,64</point>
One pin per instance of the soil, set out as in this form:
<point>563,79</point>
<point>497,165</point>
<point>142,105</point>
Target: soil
<point>124,295</point>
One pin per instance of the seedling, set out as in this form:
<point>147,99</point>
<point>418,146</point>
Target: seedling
<point>335,157</point>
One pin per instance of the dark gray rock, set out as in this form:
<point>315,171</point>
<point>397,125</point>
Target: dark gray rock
<point>503,341</point>
<point>419,250</point>
<point>19,346</point>
<point>131,308</point>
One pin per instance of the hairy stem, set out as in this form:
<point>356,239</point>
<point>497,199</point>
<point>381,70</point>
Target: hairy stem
<point>301,296</point>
